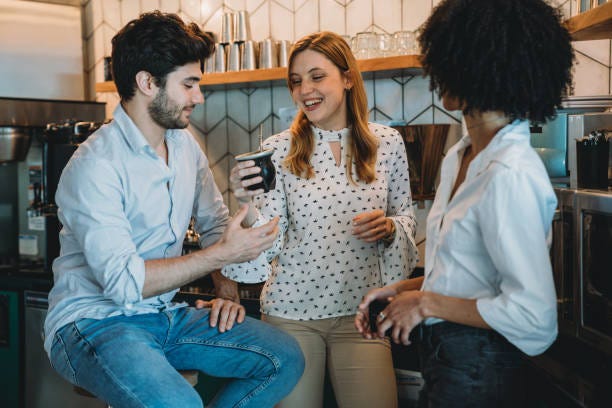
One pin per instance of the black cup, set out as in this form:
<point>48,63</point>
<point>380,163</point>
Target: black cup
<point>263,160</point>
<point>592,162</point>
<point>377,306</point>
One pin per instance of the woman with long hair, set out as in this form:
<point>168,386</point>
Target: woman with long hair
<point>347,225</point>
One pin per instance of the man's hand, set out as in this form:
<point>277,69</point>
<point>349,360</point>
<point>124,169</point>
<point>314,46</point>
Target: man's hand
<point>245,244</point>
<point>223,314</point>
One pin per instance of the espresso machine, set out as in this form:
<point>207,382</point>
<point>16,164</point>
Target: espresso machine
<point>60,141</point>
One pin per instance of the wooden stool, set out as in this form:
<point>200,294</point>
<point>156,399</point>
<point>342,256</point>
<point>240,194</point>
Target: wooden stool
<point>190,375</point>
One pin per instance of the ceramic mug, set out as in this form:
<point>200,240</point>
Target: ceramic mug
<point>263,160</point>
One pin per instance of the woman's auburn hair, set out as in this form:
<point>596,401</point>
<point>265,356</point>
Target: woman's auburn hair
<point>363,144</point>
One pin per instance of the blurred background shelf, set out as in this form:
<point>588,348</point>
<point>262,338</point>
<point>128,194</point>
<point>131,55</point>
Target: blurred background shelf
<point>595,24</point>
<point>389,66</point>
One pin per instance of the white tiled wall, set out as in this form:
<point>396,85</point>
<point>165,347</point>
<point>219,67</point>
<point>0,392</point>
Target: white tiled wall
<point>228,122</point>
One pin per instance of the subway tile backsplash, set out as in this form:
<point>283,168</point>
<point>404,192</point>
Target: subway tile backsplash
<point>228,123</point>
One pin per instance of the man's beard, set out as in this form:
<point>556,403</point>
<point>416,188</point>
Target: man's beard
<point>165,113</point>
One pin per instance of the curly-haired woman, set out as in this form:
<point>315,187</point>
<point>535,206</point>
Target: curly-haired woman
<point>487,295</point>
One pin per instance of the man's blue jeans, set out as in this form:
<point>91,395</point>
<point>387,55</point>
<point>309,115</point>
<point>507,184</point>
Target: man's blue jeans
<point>132,361</point>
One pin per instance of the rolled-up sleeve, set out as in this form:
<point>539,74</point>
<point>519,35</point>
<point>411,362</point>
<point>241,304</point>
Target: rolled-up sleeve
<point>515,222</point>
<point>91,210</point>
<point>211,214</point>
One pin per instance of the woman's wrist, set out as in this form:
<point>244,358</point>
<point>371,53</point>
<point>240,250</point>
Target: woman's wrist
<point>251,217</point>
<point>390,237</point>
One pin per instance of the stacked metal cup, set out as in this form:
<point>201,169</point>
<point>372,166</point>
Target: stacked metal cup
<point>233,57</point>
<point>249,56</point>
<point>267,54</point>
<point>242,30</point>
<point>227,28</point>
<point>284,46</point>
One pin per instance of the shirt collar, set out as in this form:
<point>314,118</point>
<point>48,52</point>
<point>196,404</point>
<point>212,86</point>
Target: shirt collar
<point>134,137</point>
<point>330,135</point>
<point>515,132</point>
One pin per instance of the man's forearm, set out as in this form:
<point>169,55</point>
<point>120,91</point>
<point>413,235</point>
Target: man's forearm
<point>163,275</point>
<point>452,309</point>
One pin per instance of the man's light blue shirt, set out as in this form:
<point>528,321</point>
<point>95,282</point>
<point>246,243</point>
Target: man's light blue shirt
<point>120,204</point>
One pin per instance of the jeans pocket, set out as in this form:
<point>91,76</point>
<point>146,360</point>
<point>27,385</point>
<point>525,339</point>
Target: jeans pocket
<point>453,349</point>
<point>502,354</point>
<point>60,361</point>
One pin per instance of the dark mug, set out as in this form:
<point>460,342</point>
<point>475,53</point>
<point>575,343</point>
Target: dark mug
<point>263,160</point>
<point>377,306</point>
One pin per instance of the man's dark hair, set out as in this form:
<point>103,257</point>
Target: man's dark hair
<point>506,55</point>
<point>158,43</point>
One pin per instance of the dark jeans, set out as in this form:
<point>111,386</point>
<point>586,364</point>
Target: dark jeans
<point>469,367</point>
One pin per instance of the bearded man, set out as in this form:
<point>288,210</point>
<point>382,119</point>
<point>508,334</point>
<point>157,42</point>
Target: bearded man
<point>125,201</point>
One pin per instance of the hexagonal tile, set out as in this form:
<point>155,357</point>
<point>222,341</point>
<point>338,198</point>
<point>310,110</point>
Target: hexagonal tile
<point>238,107</point>
<point>259,20</point>
<point>170,6</point>
<point>214,107</point>
<point>598,50</point>
<point>239,139</point>
<point>130,9</point>
<point>358,16</point>
<point>387,17</point>
<point>260,106</point>
<point>388,97</point>
<point>590,77</point>
<point>417,98</point>
<point>112,14</point>
<point>414,13</point>
<point>282,31</point>
<point>334,17</point>
<point>306,19</point>
<point>216,142</point>
<point>191,8</point>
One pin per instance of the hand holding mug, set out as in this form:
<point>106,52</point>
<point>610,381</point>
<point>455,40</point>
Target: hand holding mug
<point>254,174</point>
<point>242,176</point>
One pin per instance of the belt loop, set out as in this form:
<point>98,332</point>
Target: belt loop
<point>416,334</point>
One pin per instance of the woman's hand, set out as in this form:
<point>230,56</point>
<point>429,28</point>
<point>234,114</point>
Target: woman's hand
<point>402,315</point>
<point>239,186</point>
<point>223,313</point>
<point>362,319</point>
<point>370,226</point>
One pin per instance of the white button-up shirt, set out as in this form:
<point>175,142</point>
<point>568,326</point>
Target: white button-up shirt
<point>489,242</point>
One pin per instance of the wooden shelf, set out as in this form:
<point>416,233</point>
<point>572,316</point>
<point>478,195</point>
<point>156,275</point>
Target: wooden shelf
<point>595,24</point>
<point>264,77</point>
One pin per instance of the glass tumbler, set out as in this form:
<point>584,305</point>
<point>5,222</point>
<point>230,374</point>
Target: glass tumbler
<point>405,42</point>
<point>365,45</point>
